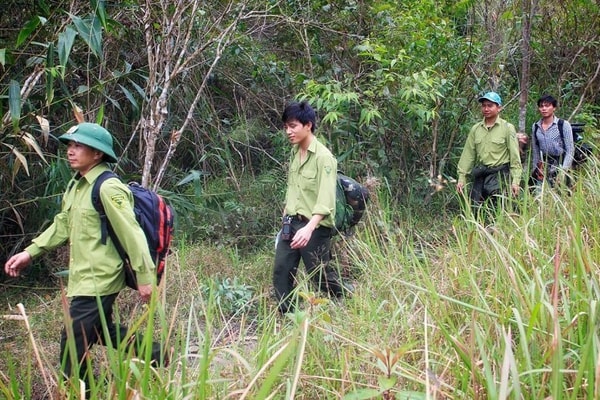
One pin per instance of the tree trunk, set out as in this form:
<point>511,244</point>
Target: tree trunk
<point>528,12</point>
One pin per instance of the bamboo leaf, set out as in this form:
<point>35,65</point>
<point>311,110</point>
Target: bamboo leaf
<point>15,171</point>
<point>21,160</point>
<point>44,128</point>
<point>98,6</point>
<point>65,44</point>
<point>130,97</point>
<point>100,114</point>
<point>138,89</point>
<point>14,102</point>
<point>114,102</point>
<point>29,28</point>
<point>50,74</point>
<point>90,31</point>
<point>32,143</point>
<point>78,114</point>
<point>17,218</point>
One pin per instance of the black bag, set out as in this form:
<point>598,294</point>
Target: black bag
<point>582,149</point>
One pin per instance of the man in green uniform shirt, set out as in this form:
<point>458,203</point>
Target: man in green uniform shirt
<point>95,269</point>
<point>310,209</point>
<point>491,154</point>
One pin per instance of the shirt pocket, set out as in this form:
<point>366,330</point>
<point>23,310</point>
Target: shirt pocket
<point>85,224</point>
<point>497,145</point>
<point>308,180</point>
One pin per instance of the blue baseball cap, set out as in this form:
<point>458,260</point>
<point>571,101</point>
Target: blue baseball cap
<point>491,96</point>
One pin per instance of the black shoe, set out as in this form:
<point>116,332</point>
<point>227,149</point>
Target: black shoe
<point>348,288</point>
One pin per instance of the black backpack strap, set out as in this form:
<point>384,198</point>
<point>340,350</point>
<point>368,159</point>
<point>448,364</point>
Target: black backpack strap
<point>561,124</point>
<point>105,227</point>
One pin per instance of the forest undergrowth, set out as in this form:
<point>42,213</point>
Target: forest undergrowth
<point>448,305</point>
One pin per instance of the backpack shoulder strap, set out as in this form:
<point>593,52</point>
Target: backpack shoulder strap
<point>105,229</point>
<point>561,124</point>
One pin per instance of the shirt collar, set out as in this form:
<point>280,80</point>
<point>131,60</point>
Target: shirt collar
<point>554,121</point>
<point>312,147</point>
<point>95,172</point>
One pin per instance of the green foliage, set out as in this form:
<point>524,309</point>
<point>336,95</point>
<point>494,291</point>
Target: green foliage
<point>389,80</point>
<point>447,307</point>
<point>231,295</point>
<point>232,213</point>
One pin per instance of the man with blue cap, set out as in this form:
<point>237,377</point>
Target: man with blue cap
<point>96,273</point>
<point>491,154</point>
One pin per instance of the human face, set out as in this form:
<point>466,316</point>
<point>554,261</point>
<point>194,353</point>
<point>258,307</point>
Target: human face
<point>296,132</point>
<point>546,109</point>
<point>82,158</point>
<point>489,109</point>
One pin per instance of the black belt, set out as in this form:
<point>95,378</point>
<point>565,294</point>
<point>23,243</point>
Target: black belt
<point>300,217</point>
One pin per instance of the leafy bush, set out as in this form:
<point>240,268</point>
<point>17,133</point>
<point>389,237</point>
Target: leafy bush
<point>232,296</point>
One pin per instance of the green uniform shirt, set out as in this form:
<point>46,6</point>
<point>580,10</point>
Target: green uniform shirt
<point>96,269</point>
<point>491,147</point>
<point>311,185</point>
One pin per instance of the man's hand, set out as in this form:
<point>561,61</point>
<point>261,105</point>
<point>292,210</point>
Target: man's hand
<point>145,292</point>
<point>515,189</point>
<point>522,138</point>
<point>17,263</point>
<point>301,237</point>
<point>459,187</point>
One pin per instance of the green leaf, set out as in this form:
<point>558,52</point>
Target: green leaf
<point>411,395</point>
<point>386,383</point>
<point>65,44</point>
<point>139,89</point>
<point>50,74</point>
<point>29,28</point>
<point>100,114</point>
<point>98,6</point>
<point>90,31</point>
<point>14,102</point>
<point>130,97</point>
<point>3,57</point>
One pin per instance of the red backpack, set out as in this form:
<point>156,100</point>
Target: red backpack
<point>153,214</point>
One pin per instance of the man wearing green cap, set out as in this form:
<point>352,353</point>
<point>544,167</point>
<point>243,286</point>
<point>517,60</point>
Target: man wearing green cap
<point>491,154</point>
<point>95,270</point>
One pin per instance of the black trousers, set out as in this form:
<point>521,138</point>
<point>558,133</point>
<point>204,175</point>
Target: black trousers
<point>89,315</point>
<point>315,256</point>
<point>489,182</point>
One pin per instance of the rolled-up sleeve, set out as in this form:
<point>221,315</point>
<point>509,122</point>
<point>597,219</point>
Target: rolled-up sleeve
<point>327,173</point>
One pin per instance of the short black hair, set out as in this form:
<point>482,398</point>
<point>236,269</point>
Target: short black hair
<point>301,112</point>
<point>547,99</point>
